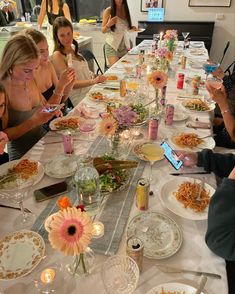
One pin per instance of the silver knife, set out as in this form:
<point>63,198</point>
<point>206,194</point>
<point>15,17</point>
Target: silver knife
<point>170,269</point>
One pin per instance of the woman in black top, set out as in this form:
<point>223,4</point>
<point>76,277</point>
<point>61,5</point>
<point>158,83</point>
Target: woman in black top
<point>3,137</point>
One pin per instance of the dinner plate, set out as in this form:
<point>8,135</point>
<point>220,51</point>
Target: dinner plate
<point>173,288</point>
<point>106,98</point>
<point>196,44</point>
<point>169,200</point>
<point>20,253</point>
<point>211,107</point>
<point>24,183</point>
<point>180,114</point>
<point>53,126</point>
<point>87,111</point>
<point>48,221</point>
<point>61,166</point>
<point>197,52</point>
<point>208,142</point>
<point>160,234</point>
<point>137,150</point>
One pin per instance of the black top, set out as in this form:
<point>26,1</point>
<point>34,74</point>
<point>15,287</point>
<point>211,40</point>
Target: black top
<point>49,92</point>
<point>3,157</point>
<point>51,16</point>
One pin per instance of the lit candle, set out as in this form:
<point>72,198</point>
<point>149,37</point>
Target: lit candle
<point>98,229</point>
<point>126,134</point>
<point>47,275</point>
<point>160,43</point>
<point>136,133</point>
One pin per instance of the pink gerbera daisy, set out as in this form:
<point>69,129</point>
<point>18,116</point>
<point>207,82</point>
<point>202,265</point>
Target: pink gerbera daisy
<point>108,126</point>
<point>71,231</point>
<point>158,79</point>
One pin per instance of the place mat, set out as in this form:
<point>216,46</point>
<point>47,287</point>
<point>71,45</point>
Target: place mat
<point>114,214</point>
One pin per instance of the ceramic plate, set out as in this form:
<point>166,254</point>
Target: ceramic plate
<point>74,123</point>
<point>48,221</point>
<point>196,44</point>
<point>105,98</point>
<point>169,200</point>
<point>11,185</point>
<point>211,107</point>
<point>208,142</point>
<point>180,114</point>
<point>20,253</point>
<point>160,234</point>
<point>197,52</point>
<point>137,150</point>
<point>61,166</point>
<point>173,288</point>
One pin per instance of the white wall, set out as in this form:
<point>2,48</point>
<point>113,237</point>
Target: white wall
<point>224,30</point>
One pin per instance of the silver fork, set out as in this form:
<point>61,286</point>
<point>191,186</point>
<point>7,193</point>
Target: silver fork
<point>17,208</point>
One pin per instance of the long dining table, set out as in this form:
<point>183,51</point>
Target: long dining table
<point>193,253</point>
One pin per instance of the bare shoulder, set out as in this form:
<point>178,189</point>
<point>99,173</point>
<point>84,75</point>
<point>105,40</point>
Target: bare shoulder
<point>57,55</point>
<point>107,11</point>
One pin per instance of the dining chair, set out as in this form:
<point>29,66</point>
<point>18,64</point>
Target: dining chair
<point>225,50</point>
<point>88,55</point>
<point>106,67</point>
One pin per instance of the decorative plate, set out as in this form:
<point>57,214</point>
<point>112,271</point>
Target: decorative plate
<point>173,288</point>
<point>169,200</point>
<point>61,166</point>
<point>137,150</point>
<point>20,253</point>
<point>12,183</point>
<point>70,123</point>
<point>211,106</point>
<point>48,221</point>
<point>160,234</point>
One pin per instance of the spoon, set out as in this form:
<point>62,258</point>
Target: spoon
<point>201,285</point>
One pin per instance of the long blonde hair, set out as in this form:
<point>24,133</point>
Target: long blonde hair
<point>19,49</point>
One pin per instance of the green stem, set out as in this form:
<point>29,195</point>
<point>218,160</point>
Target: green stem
<point>77,262</point>
<point>83,263</point>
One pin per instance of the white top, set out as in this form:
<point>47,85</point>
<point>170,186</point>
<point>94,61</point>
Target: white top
<point>115,38</point>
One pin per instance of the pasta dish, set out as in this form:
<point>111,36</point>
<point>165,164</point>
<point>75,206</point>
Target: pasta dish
<point>190,140</point>
<point>188,195</point>
<point>67,123</point>
<point>169,292</point>
<point>25,168</point>
<point>197,104</point>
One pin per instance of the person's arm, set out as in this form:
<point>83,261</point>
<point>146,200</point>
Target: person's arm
<point>220,236</point>
<point>107,21</point>
<point>67,12</point>
<point>42,13</point>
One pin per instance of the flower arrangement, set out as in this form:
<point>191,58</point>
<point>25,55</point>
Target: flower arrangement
<point>170,37</point>
<point>164,57</point>
<point>158,79</point>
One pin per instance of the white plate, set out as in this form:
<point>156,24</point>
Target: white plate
<point>169,200</point>
<point>160,234</point>
<point>173,288</point>
<point>48,221</point>
<point>20,253</point>
<point>180,114</point>
<point>196,44</point>
<point>53,127</point>
<point>61,166</point>
<point>11,186</point>
<point>138,152</point>
<point>211,107</point>
<point>197,52</point>
<point>208,142</point>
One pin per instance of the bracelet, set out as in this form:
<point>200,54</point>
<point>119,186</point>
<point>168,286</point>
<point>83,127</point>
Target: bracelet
<point>225,111</point>
<point>60,95</point>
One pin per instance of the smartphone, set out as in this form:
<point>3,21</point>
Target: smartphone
<point>52,108</point>
<point>171,156</point>
<point>50,191</point>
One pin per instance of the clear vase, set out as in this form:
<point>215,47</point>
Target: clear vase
<point>115,144</point>
<point>82,263</point>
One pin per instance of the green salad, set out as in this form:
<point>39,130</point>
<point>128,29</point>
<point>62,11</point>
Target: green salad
<point>140,110</point>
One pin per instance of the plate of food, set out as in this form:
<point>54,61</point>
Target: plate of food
<point>197,105</point>
<point>181,196</point>
<point>140,150</point>
<point>180,114</point>
<point>61,166</point>
<point>112,78</point>
<point>20,253</point>
<point>100,97</point>
<point>143,113</point>
<point>160,234</point>
<point>190,141</point>
<point>21,173</point>
<point>70,123</point>
<point>173,288</point>
<point>197,51</point>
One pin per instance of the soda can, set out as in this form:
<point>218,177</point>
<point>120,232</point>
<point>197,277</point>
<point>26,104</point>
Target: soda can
<point>196,84</point>
<point>123,88</point>
<point>68,143</point>
<point>169,114</point>
<point>183,61</point>
<point>153,128</point>
<point>138,71</point>
<point>135,250</point>
<point>142,194</point>
<point>180,81</point>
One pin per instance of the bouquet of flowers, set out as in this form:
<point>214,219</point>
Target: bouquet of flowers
<point>170,37</point>
<point>164,57</point>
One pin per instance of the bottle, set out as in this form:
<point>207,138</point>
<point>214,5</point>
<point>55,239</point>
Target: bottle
<point>169,114</point>
<point>153,128</point>
<point>68,142</point>
<point>180,81</point>
<point>123,87</point>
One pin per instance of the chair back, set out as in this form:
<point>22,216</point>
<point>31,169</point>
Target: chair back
<point>225,50</point>
<point>88,55</point>
<point>106,67</point>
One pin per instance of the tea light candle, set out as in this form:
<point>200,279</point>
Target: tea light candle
<point>126,134</point>
<point>160,43</point>
<point>47,275</point>
<point>98,229</point>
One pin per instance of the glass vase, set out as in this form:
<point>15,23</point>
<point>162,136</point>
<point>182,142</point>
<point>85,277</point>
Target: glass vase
<point>115,144</point>
<point>82,263</point>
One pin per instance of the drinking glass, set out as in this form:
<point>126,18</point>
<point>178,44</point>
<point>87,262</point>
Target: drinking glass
<point>132,87</point>
<point>87,126</point>
<point>213,83</point>
<point>185,36</point>
<point>210,67</point>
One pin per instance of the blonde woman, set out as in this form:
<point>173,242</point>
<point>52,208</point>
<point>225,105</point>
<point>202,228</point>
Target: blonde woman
<point>25,107</point>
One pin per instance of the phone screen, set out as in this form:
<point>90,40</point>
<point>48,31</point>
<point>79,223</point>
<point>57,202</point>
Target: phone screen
<point>50,191</point>
<point>171,156</point>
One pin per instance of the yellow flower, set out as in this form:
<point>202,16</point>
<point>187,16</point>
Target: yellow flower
<point>71,231</point>
<point>158,79</point>
<point>108,126</point>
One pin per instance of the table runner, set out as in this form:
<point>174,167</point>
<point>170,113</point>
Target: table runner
<point>115,212</point>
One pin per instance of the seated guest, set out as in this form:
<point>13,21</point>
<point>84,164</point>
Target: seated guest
<point>7,8</point>
<point>3,137</point>
<point>65,45</point>
<point>220,236</point>
<point>25,115</point>
<point>45,75</point>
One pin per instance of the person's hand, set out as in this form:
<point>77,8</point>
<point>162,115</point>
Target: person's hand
<point>189,158</point>
<point>100,79</point>
<point>218,73</point>
<point>217,95</point>
<point>3,141</point>
<point>112,21</point>
<point>41,117</point>
<point>232,174</point>
<point>68,76</point>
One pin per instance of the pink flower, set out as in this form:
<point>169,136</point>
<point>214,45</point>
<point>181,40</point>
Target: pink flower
<point>158,79</point>
<point>108,126</point>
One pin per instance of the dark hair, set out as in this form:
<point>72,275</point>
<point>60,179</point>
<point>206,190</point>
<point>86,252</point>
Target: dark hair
<point>114,11</point>
<point>60,4</point>
<point>231,100</point>
<point>62,22</point>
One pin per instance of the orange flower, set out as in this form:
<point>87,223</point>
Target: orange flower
<point>64,202</point>
<point>158,79</point>
<point>108,126</point>
<point>169,56</point>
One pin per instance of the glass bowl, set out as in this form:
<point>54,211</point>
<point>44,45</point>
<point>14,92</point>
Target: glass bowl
<point>120,275</point>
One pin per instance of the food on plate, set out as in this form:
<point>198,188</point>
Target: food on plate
<point>125,61</point>
<point>193,195</point>
<point>112,78</point>
<point>169,292</point>
<point>97,96</point>
<point>140,110</point>
<point>190,140</point>
<point>67,123</point>
<point>197,104</point>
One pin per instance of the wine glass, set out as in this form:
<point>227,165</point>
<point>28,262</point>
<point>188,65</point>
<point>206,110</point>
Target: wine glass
<point>213,83</point>
<point>87,126</point>
<point>210,67</point>
<point>185,36</point>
